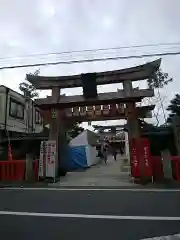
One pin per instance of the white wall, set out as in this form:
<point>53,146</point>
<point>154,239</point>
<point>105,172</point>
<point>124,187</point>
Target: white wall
<point>91,154</point>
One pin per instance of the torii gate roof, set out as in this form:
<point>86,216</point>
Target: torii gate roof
<point>136,73</point>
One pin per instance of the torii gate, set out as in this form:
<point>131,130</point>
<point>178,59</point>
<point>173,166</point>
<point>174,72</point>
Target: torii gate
<point>126,99</point>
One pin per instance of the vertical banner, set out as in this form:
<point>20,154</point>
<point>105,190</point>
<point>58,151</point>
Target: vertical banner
<point>50,159</point>
<point>41,159</point>
<point>135,160</point>
<point>47,154</point>
<point>145,156</point>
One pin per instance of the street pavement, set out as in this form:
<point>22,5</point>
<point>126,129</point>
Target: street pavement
<point>110,174</point>
<point>88,213</point>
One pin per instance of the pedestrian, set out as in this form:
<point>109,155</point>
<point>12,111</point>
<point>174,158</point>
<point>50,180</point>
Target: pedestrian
<point>104,150</point>
<point>114,153</point>
<point>121,151</point>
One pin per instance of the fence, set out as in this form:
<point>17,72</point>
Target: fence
<point>157,167</point>
<point>143,164</point>
<point>14,170</point>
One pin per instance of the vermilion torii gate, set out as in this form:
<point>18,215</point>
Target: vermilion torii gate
<point>62,110</point>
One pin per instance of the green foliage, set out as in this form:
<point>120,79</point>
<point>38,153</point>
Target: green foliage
<point>159,79</point>
<point>28,89</point>
<point>174,108</point>
<point>160,137</point>
<point>74,130</point>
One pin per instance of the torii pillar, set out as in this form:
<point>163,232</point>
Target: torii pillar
<point>132,118</point>
<point>57,130</point>
<point>55,92</point>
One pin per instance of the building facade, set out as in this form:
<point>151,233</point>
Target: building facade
<point>18,114</point>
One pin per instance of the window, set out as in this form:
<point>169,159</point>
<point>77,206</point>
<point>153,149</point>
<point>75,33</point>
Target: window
<point>38,117</point>
<point>16,109</point>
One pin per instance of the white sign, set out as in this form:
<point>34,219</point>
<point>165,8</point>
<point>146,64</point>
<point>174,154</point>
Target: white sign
<point>41,159</point>
<point>50,158</point>
<point>48,154</point>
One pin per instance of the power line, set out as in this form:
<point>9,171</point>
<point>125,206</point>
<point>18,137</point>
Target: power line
<point>67,56</point>
<point>91,60</point>
<point>94,50</point>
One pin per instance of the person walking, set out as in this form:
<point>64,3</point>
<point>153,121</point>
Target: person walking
<point>114,153</point>
<point>121,151</point>
<point>104,151</point>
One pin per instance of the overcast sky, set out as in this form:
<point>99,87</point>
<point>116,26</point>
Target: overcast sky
<point>43,26</point>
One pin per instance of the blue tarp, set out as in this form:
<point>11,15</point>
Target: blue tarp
<point>76,158</point>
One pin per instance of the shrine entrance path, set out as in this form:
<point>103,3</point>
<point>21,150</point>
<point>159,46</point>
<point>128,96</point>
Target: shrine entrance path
<point>103,175</point>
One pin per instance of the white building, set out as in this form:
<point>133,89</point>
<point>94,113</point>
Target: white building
<point>18,113</point>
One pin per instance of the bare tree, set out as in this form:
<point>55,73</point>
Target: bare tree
<point>158,81</point>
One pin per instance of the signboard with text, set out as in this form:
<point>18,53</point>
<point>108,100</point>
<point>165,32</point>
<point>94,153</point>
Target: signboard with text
<point>140,158</point>
<point>47,159</point>
<point>135,161</point>
<point>50,157</point>
<point>41,160</point>
<point>145,153</point>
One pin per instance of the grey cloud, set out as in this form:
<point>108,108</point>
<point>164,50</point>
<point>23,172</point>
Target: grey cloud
<point>41,26</point>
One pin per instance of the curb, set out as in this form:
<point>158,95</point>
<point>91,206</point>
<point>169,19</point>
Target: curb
<point>23,185</point>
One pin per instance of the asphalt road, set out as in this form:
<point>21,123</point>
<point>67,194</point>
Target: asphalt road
<point>60,214</point>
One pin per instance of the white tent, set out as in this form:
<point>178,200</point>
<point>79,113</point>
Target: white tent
<point>85,139</point>
<point>80,140</point>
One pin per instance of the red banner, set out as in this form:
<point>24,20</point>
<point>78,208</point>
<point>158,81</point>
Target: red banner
<point>135,164</point>
<point>140,153</point>
<point>146,157</point>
